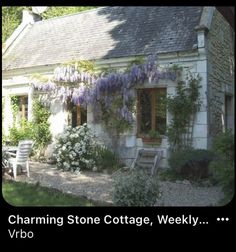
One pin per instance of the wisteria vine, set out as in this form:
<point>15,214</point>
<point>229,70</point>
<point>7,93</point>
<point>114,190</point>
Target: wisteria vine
<point>110,95</point>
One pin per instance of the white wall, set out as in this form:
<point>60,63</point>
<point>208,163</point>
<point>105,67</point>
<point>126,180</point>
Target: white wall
<point>58,119</point>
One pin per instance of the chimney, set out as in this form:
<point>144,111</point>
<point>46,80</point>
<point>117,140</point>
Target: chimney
<point>29,17</point>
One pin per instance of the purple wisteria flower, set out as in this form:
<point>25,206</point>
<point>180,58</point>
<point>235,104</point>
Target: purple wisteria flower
<point>91,89</point>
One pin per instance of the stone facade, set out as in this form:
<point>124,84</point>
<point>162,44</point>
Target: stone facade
<point>220,55</point>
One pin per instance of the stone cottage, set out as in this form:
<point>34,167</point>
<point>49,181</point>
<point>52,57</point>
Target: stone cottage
<point>199,39</point>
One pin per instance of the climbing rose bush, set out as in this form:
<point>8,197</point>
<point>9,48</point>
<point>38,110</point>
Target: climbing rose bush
<point>75,149</point>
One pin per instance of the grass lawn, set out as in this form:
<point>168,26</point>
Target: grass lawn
<point>23,194</point>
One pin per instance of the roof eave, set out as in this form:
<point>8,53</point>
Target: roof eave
<point>100,63</point>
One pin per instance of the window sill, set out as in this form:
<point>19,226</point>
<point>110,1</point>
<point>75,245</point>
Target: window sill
<point>152,141</point>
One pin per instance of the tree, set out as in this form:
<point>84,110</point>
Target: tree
<point>12,16</point>
<point>64,10</point>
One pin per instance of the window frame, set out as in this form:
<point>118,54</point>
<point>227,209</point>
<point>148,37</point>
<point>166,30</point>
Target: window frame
<point>23,101</point>
<point>227,109</point>
<point>78,114</point>
<point>153,92</point>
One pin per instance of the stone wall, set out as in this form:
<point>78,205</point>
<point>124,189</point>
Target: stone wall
<point>220,72</point>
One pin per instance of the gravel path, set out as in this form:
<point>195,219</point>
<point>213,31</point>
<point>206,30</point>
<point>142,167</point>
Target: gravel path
<point>185,194</point>
<point>94,186</point>
<point>99,186</point>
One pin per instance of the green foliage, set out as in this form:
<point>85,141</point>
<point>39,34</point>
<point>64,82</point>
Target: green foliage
<point>24,131</point>
<point>38,129</point>
<point>169,175</point>
<point>3,111</point>
<point>136,188</point>
<point>106,70</point>
<point>85,66</point>
<point>56,11</point>
<point>176,68</point>
<point>24,194</point>
<point>223,145</point>
<point>12,16</point>
<point>4,138</point>
<point>41,131</point>
<point>106,159</point>
<point>138,61</point>
<point>223,166</point>
<point>224,174</point>
<point>3,106</point>
<point>39,77</point>
<point>183,107</point>
<point>153,134</point>
<point>15,102</point>
<point>191,164</point>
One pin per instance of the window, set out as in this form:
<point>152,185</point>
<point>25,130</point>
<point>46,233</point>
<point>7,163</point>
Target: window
<point>22,107</point>
<point>228,112</point>
<point>78,116</point>
<point>151,111</point>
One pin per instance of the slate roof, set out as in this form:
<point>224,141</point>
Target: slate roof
<point>106,32</point>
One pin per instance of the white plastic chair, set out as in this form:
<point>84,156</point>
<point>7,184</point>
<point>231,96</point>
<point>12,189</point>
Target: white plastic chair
<point>21,157</point>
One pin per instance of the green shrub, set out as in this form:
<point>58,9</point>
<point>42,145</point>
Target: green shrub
<point>223,145</point>
<point>192,164</point>
<point>136,188</point>
<point>41,126</point>
<point>3,111</point>
<point>25,131</point>
<point>183,106</point>
<point>106,159</point>
<point>223,173</point>
<point>223,167</point>
<point>38,129</point>
<point>4,139</point>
